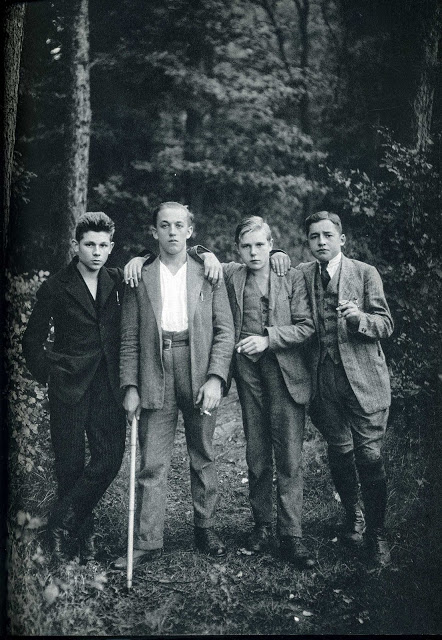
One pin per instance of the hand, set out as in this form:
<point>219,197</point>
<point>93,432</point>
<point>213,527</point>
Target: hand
<point>213,270</point>
<point>252,345</point>
<point>132,271</point>
<point>350,311</point>
<point>280,263</point>
<point>132,403</point>
<point>209,394</point>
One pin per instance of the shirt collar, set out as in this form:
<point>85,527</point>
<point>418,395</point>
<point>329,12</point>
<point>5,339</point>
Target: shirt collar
<point>334,262</point>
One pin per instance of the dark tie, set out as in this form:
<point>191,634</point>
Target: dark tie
<point>325,276</point>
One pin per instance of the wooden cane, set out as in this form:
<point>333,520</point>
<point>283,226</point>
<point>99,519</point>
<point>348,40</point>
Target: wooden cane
<point>130,533</point>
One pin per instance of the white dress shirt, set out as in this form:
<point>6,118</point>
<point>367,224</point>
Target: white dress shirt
<point>174,298</point>
<point>333,265</point>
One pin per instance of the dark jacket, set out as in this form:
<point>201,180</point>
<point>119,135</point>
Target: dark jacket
<point>85,332</point>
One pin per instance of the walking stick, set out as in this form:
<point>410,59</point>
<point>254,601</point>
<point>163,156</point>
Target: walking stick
<point>130,533</point>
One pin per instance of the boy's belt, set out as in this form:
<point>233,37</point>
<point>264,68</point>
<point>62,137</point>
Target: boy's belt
<point>168,343</point>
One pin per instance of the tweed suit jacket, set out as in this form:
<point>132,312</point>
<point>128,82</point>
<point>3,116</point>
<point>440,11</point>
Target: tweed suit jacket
<point>211,336</point>
<point>360,350</point>
<point>290,323</point>
<point>84,333</point>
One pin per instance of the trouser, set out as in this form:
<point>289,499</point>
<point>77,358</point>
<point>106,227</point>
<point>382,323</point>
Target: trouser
<point>354,440</point>
<point>273,424</point>
<point>98,416</point>
<point>156,435</point>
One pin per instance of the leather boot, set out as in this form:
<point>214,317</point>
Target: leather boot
<point>87,541</point>
<point>344,474</point>
<point>375,502</point>
<point>60,527</point>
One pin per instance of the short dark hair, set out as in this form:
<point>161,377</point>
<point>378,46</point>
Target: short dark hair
<point>94,221</point>
<point>322,215</point>
<point>171,205</point>
<point>251,223</point>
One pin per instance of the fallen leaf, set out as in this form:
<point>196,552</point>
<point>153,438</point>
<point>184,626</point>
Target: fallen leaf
<point>347,600</point>
<point>295,618</point>
<point>51,593</point>
<point>334,539</point>
<point>307,614</point>
<point>244,480</point>
<point>291,596</point>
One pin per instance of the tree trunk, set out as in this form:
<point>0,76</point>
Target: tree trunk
<point>423,102</point>
<point>13,41</point>
<point>74,190</point>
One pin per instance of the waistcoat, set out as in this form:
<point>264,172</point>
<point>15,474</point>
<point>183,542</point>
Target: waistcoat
<point>255,310</point>
<point>327,301</point>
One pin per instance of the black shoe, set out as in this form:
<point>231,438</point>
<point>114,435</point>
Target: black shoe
<point>259,538</point>
<point>353,529</point>
<point>378,549</point>
<point>141,556</point>
<point>292,549</point>
<point>60,530</point>
<point>208,542</point>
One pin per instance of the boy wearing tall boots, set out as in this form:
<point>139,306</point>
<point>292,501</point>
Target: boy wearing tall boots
<point>352,387</point>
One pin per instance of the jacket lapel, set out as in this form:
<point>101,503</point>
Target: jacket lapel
<point>310,278</point>
<point>274,289</point>
<point>105,287</point>
<point>151,278</point>
<point>239,282</point>
<point>346,286</point>
<point>78,289</point>
<point>194,285</point>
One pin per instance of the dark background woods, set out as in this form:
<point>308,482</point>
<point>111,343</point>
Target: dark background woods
<point>268,107</point>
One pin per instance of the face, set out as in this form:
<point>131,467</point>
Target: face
<point>324,240</point>
<point>93,249</point>
<point>172,230</point>
<point>254,249</point>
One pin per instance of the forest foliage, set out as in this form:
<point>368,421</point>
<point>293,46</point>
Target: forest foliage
<point>268,107</point>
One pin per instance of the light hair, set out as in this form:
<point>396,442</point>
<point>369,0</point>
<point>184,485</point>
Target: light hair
<point>94,221</point>
<point>172,205</point>
<point>323,215</point>
<point>252,223</point>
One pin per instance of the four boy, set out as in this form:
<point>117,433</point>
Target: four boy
<point>176,347</point>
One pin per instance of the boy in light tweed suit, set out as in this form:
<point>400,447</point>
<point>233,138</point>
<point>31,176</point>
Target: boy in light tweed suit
<point>352,387</point>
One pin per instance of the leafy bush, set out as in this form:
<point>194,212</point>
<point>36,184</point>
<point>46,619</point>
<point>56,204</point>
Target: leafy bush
<point>395,223</point>
<point>28,441</point>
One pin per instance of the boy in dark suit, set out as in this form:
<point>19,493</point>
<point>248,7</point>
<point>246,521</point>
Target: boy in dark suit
<point>83,302</point>
<point>272,320</point>
<point>352,387</point>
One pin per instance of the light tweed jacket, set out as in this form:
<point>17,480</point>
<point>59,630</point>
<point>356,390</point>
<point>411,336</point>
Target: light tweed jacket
<point>360,350</point>
<point>211,336</point>
<point>290,325</point>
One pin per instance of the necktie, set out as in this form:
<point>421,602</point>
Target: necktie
<point>325,276</point>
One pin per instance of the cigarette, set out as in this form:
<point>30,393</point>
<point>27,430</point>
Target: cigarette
<point>207,413</point>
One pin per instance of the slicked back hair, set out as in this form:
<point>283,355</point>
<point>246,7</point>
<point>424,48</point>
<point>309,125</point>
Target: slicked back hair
<point>172,205</point>
<point>252,223</point>
<point>323,215</point>
<point>94,221</point>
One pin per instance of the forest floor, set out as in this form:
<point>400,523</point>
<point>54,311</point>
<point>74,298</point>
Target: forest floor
<point>187,593</point>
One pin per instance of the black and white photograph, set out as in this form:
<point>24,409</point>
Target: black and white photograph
<point>222,284</point>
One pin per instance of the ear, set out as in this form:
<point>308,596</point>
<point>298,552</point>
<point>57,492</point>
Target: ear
<point>112,244</point>
<point>154,231</point>
<point>189,232</point>
<point>343,238</point>
<point>74,244</point>
<point>271,243</point>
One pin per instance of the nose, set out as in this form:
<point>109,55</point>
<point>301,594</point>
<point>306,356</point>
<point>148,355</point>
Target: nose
<point>321,240</point>
<point>96,250</point>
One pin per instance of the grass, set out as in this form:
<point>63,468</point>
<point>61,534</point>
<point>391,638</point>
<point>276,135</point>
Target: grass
<point>188,593</point>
